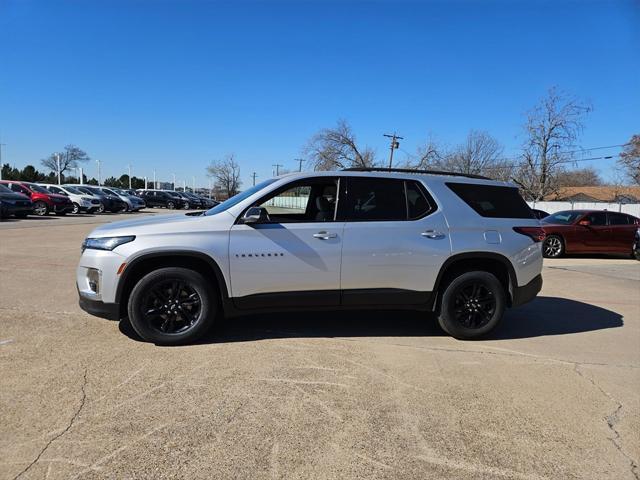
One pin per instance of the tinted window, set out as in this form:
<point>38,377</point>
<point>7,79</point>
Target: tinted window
<point>375,199</point>
<point>417,204</point>
<point>619,219</point>
<point>492,201</point>
<point>597,218</point>
<point>563,218</point>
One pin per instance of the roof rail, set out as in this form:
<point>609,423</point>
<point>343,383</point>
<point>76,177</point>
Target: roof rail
<point>410,170</point>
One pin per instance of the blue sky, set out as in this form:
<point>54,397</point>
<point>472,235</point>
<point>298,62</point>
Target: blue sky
<point>172,85</point>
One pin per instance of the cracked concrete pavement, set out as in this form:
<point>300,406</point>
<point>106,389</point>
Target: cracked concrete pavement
<point>555,393</point>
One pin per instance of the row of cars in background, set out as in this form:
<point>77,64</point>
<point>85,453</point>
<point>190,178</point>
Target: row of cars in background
<point>20,199</point>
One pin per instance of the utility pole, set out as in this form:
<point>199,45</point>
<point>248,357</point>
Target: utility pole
<point>253,176</point>
<point>58,167</point>
<point>1,145</point>
<point>99,162</point>
<point>300,162</point>
<point>129,176</point>
<point>394,144</point>
<point>277,167</point>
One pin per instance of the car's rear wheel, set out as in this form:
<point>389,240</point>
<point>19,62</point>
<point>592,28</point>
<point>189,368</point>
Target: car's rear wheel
<point>76,208</point>
<point>100,208</point>
<point>172,306</point>
<point>472,305</point>
<point>553,247</point>
<point>171,205</point>
<point>40,208</point>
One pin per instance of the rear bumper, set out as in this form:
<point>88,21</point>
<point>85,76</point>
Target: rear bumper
<point>110,311</point>
<point>526,293</point>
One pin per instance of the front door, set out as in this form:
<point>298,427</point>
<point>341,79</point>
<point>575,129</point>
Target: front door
<point>291,258</point>
<point>395,241</point>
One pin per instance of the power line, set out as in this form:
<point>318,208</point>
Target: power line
<point>300,161</point>
<point>277,167</point>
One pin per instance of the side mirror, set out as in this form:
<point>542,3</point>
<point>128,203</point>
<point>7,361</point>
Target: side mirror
<point>255,215</point>
<point>584,223</point>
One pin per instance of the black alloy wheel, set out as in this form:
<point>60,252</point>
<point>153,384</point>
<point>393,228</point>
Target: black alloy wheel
<point>552,247</point>
<point>172,306</point>
<point>472,305</point>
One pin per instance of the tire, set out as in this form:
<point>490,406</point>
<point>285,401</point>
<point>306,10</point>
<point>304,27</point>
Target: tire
<point>553,247</point>
<point>76,209</point>
<point>100,209</point>
<point>186,206</point>
<point>472,305</point>
<point>171,322</point>
<point>40,208</point>
<point>171,205</point>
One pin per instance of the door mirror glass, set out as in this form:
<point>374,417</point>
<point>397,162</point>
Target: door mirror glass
<point>255,215</point>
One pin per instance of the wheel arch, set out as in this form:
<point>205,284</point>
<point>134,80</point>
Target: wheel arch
<point>494,263</point>
<point>197,261</point>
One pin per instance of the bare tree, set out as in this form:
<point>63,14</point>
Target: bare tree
<point>69,159</point>
<point>553,126</point>
<point>480,154</point>
<point>428,156</point>
<point>629,160</point>
<point>580,177</point>
<point>335,148</point>
<point>226,173</point>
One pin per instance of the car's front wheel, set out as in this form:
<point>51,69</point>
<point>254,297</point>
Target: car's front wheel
<point>472,305</point>
<point>76,208</point>
<point>40,208</point>
<point>171,205</point>
<point>552,247</point>
<point>172,306</point>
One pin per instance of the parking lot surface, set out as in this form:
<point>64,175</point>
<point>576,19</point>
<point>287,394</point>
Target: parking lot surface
<point>554,393</point>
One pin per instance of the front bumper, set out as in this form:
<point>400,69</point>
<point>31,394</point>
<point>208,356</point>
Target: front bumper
<point>110,311</point>
<point>526,293</point>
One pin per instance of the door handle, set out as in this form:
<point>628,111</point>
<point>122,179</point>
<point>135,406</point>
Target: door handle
<point>433,234</point>
<point>324,235</point>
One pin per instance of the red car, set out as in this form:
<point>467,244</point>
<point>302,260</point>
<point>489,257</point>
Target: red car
<point>43,200</point>
<point>588,231</point>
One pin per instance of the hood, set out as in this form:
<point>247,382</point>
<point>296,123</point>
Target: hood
<point>172,223</point>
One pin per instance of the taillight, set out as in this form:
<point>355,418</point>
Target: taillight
<point>534,233</point>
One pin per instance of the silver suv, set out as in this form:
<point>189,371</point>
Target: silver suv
<point>461,246</point>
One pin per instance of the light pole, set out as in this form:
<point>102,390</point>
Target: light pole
<point>81,179</point>
<point>58,167</point>
<point>194,185</point>
<point>1,145</point>
<point>155,185</point>
<point>184,186</point>
<point>145,183</point>
<point>174,182</point>
<point>129,176</point>
<point>99,172</point>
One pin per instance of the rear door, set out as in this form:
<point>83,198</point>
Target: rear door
<point>596,236</point>
<point>395,240</point>
<point>623,231</point>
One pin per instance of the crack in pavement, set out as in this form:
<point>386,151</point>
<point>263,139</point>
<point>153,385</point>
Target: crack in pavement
<point>612,419</point>
<point>604,275</point>
<point>66,429</point>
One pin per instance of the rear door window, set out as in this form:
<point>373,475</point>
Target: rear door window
<point>492,201</point>
<point>619,219</point>
<point>375,199</point>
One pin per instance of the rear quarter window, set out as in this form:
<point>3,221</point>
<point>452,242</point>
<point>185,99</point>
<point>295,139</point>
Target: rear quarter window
<point>492,201</point>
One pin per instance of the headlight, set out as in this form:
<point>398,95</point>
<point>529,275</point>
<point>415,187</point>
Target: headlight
<point>106,243</point>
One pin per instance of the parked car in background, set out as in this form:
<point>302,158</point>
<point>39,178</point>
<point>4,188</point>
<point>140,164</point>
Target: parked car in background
<point>43,200</point>
<point>208,202</point>
<point>134,203</point>
<point>189,201</point>
<point>162,198</point>
<point>111,202</point>
<point>16,204</point>
<point>80,200</point>
<point>588,231</point>
<point>539,214</point>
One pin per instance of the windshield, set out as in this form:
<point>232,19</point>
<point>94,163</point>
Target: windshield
<point>109,192</point>
<point>564,218</point>
<point>227,204</point>
<point>37,188</point>
<point>75,191</point>
<point>86,190</point>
